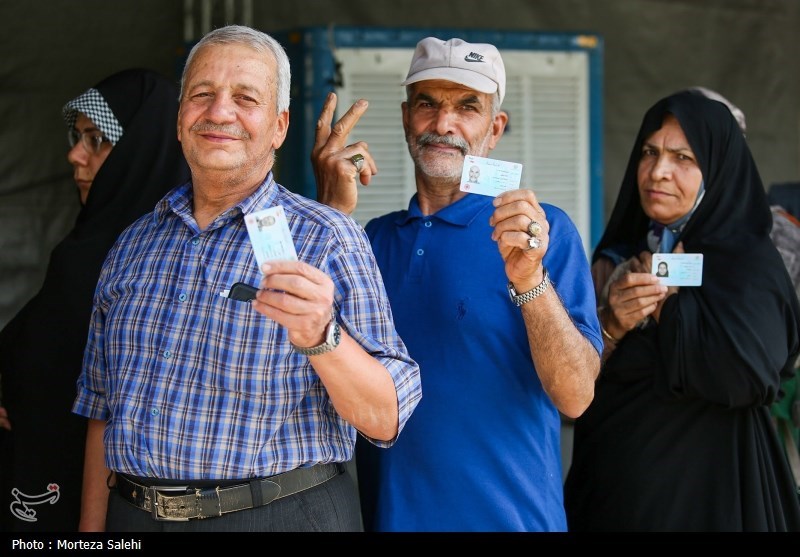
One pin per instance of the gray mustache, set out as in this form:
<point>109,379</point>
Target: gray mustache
<point>447,140</point>
<point>227,130</point>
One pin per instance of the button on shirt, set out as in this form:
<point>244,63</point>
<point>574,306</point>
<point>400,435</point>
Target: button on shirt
<point>195,385</point>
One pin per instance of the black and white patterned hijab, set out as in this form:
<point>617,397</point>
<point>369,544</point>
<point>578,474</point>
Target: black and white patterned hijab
<point>94,106</point>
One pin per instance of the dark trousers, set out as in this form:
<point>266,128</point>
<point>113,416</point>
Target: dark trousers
<point>329,507</point>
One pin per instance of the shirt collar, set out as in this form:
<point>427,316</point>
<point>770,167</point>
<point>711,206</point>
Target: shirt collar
<point>180,200</point>
<point>461,213</point>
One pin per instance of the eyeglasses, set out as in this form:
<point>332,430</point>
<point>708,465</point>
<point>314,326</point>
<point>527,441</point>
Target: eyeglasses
<point>92,141</point>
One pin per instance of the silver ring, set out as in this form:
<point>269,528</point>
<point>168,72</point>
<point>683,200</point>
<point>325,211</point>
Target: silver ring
<point>534,228</point>
<point>534,242</point>
<point>358,161</point>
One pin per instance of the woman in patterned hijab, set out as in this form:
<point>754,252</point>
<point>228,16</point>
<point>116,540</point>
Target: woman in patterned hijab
<point>125,156</point>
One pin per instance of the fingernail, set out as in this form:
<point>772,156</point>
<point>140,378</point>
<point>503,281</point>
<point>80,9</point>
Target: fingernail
<point>265,268</point>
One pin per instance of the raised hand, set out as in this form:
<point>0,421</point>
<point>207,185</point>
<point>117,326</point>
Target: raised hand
<point>514,213</point>
<point>335,169</point>
<point>299,297</point>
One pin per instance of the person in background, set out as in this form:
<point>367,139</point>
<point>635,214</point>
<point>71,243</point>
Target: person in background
<point>785,234</point>
<point>215,411</point>
<point>125,157</point>
<point>493,297</point>
<point>737,112</point>
<point>679,436</point>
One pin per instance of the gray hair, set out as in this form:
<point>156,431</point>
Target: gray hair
<point>258,41</point>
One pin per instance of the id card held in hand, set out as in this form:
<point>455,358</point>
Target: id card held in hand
<point>270,235</point>
<point>489,176</point>
<point>678,269</point>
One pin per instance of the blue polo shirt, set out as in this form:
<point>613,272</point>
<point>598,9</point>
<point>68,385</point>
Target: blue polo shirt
<point>482,450</point>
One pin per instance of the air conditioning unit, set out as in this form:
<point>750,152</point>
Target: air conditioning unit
<point>553,98</point>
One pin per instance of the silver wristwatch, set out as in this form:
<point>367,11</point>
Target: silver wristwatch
<point>520,299</point>
<point>333,335</point>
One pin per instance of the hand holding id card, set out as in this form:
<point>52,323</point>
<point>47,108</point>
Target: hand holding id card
<point>489,176</point>
<point>270,236</point>
<point>678,269</point>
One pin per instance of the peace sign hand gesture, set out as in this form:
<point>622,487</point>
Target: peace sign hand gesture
<point>336,164</point>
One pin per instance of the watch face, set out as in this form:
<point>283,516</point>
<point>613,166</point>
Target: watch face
<point>337,334</point>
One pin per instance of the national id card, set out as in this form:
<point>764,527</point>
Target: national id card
<point>270,236</point>
<point>489,176</point>
<point>678,269</point>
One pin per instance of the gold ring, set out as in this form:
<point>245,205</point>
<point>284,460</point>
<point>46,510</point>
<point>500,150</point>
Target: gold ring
<point>534,228</point>
<point>358,161</point>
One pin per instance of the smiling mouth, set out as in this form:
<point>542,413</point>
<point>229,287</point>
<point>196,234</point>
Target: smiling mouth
<point>217,137</point>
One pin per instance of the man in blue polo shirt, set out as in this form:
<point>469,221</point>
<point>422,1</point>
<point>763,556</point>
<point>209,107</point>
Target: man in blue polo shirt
<point>494,299</point>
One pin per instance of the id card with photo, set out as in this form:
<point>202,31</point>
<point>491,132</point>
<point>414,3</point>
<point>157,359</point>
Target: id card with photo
<point>489,176</point>
<point>270,235</point>
<point>678,269</point>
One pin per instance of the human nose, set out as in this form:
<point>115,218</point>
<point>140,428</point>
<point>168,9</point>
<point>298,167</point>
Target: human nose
<point>444,122</point>
<point>662,168</point>
<point>222,108</point>
<point>78,155</point>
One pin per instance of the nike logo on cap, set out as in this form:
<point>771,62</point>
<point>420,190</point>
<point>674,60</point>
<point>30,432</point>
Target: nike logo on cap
<point>473,57</point>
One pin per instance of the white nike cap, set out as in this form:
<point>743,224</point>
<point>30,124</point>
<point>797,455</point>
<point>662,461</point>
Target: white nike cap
<point>474,65</point>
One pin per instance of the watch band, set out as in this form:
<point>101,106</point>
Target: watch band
<point>333,335</point>
<point>524,298</point>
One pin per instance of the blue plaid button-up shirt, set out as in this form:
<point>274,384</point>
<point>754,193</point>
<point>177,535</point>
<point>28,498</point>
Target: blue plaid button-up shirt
<point>195,385</point>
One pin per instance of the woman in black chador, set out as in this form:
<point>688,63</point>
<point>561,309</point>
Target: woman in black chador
<point>679,435</point>
<point>125,156</point>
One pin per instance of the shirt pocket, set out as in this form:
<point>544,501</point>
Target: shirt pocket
<point>244,351</point>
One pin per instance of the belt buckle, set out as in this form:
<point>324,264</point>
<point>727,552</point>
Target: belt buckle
<point>154,491</point>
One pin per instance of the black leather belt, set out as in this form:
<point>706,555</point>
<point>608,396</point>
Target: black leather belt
<point>184,502</point>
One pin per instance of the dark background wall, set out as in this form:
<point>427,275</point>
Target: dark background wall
<point>52,50</point>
